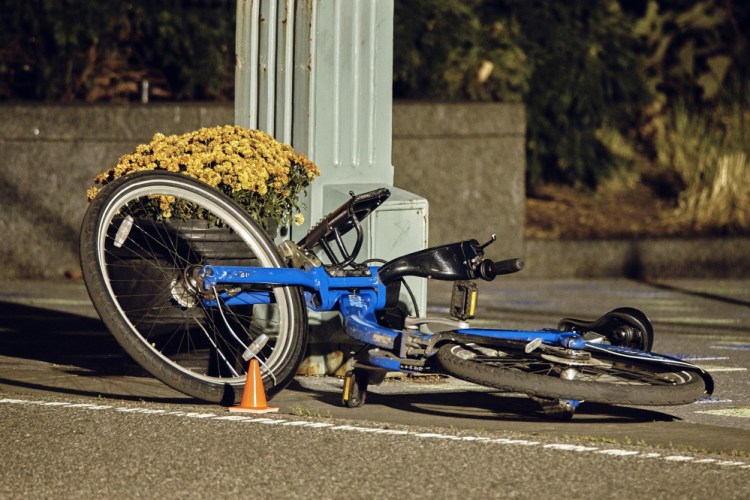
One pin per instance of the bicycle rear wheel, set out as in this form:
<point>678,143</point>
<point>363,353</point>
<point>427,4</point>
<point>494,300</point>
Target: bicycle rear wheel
<point>591,376</point>
<point>142,273</point>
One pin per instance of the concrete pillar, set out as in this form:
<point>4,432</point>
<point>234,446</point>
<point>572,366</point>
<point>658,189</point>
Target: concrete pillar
<point>317,74</point>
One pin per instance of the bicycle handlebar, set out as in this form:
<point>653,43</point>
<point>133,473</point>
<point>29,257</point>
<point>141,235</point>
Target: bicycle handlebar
<point>489,269</point>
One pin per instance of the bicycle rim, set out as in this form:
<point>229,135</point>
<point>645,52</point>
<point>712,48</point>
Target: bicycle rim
<point>591,377</point>
<point>148,266</point>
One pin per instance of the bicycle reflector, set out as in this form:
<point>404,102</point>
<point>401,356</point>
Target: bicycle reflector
<point>464,300</point>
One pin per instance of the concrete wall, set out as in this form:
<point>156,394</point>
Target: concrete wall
<point>49,156</point>
<point>466,159</point>
<point>469,161</point>
<point>712,258</point>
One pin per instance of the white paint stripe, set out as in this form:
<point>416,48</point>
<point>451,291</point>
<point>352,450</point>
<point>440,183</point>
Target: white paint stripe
<point>475,438</point>
<point>273,421</point>
<point>146,411</point>
<point>714,369</point>
<point>730,463</point>
<point>742,412</point>
<point>703,358</point>
<point>433,436</point>
<point>392,432</point>
<point>569,447</point>
<point>234,418</point>
<point>521,442</point>
<point>563,447</point>
<point>618,453</point>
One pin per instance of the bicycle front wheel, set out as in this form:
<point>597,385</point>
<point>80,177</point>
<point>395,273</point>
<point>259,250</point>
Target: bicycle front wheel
<point>144,240</point>
<point>587,376</point>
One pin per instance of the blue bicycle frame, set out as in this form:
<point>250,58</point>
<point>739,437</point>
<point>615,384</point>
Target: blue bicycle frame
<point>358,299</point>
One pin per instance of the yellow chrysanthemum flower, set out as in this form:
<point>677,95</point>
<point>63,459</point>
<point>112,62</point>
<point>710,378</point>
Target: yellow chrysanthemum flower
<point>264,176</point>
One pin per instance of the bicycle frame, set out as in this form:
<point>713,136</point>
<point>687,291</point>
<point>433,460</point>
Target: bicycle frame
<point>358,299</point>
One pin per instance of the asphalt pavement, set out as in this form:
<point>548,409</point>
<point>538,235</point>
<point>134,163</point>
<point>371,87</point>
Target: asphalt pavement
<point>58,363</point>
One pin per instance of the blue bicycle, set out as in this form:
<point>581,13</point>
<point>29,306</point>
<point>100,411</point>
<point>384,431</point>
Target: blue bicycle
<point>187,295</point>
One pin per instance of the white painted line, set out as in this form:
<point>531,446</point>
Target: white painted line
<point>521,442</point>
<point>730,464</point>
<point>561,447</point>
<point>714,369</point>
<point>234,418</point>
<point>743,412</point>
<point>702,358</point>
<point>619,453</point>
<point>200,415</point>
<point>569,447</point>
<point>435,436</point>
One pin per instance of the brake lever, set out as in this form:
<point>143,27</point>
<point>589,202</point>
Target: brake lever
<point>493,239</point>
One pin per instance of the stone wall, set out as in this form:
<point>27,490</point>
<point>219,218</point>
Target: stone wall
<point>466,159</point>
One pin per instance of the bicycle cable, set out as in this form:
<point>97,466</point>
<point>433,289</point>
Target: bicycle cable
<point>402,280</point>
<point>218,305</point>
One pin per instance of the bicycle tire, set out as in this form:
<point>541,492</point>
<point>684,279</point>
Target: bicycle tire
<point>602,380</point>
<point>161,319</point>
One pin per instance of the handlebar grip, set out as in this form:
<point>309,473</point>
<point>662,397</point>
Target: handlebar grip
<point>489,269</point>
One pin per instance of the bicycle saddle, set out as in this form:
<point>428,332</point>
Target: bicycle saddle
<point>617,325</point>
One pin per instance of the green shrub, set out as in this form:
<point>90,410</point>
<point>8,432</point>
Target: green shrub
<point>443,50</point>
<point>583,80</point>
<point>83,50</point>
<point>592,74</point>
<point>711,152</point>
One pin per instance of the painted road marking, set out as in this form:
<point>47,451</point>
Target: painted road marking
<point>562,447</point>
<point>745,347</point>
<point>741,412</point>
<point>694,357</point>
<point>713,401</point>
<point>697,320</point>
<point>711,369</point>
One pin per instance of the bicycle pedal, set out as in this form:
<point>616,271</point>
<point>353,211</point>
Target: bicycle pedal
<point>532,346</point>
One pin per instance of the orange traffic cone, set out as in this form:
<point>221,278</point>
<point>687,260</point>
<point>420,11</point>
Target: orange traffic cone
<point>254,395</point>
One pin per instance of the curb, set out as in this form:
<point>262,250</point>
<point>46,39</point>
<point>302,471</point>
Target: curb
<point>714,258</point>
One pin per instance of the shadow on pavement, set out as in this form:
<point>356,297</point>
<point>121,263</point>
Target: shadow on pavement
<point>89,362</point>
<point>61,338</point>
<point>488,406</point>
<point>78,356</point>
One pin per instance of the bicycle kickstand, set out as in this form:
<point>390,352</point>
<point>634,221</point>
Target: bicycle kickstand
<point>356,382</point>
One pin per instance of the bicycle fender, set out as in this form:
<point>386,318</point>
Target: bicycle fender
<point>625,353</point>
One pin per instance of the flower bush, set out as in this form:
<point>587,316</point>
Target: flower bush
<point>262,175</point>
